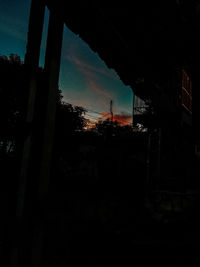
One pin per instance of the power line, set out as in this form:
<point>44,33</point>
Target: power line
<point>100,113</point>
<point>120,121</point>
<point>90,116</point>
<point>89,110</point>
<point>86,109</point>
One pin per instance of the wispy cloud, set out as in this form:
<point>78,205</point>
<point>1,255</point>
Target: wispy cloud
<point>82,65</point>
<point>123,118</point>
<point>82,103</point>
<point>99,90</point>
<point>104,114</point>
<point>103,97</point>
<point>96,87</point>
<point>104,103</point>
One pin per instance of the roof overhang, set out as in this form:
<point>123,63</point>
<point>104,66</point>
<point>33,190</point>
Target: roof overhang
<point>171,36</point>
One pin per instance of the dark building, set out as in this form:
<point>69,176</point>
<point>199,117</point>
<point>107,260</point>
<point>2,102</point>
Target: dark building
<point>168,118</point>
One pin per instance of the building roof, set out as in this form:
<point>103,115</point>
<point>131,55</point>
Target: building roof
<point>134,41</point>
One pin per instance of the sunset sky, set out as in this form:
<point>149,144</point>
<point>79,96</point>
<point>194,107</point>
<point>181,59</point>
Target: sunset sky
<point>85,79</point>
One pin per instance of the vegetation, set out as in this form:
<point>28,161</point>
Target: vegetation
<point>108,128</point>
<point>13,104</point>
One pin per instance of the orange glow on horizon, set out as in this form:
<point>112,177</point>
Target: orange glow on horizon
<point>120,118</point>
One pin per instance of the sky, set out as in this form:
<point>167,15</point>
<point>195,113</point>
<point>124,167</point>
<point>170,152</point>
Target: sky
<point>85,80</point>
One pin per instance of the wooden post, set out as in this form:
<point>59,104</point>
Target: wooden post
<point>52,68</point>
<point>36,21</point>
<point>31,63</point>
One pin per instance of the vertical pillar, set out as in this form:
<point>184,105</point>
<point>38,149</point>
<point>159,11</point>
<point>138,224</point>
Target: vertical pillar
<point>51,69</point>
<point>31,62</point>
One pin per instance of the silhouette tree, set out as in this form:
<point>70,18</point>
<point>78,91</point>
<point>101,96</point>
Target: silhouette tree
<point>13,101</point>
<point>115,128</point>
<point>69,118</point>
<point>13,105</point>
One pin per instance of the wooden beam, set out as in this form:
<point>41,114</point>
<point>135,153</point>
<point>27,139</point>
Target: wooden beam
<point>51,69</point>
<point>35,28</point>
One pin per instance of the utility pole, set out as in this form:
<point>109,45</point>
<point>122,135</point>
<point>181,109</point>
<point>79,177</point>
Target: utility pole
<point>133,109</point>
<point>110,126</point>
<point>111,111</point>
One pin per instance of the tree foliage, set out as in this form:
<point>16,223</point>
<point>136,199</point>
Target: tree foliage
<point>69,118</point>
<point>13,99</point>
<point>109,128</point>
<point>13,104</point>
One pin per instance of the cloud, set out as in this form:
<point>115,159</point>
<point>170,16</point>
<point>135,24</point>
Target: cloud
<point>123,118</point>
<point>75,98</point>
<point>104,103</point>
<point>98,90</point>
<point>94,76</point>
<point>82,103</point>
<point>89,68</point>
<point>105,114</point>
<point>103,97</point>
